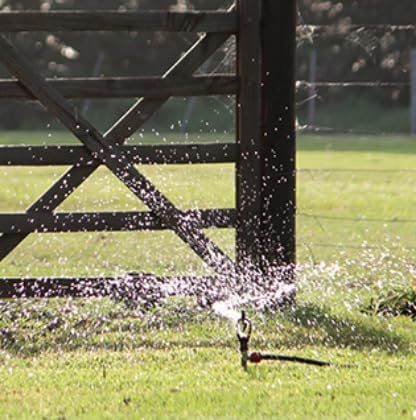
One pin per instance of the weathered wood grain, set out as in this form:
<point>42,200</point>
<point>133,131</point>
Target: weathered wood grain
<point>249,182</point>
<point>52,21</point>
<point>82,287</point>
<point>115,160</point>
<point>132,120</point>
<point>108,221</point>
<point>143,155</point>
<point>128,87</point>
<point>279,133</point>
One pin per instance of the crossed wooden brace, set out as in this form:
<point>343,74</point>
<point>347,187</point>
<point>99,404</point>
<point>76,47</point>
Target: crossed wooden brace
<point>105,149</point>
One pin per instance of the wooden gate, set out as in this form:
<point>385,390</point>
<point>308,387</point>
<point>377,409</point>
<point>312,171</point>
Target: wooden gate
<point>264,151</point>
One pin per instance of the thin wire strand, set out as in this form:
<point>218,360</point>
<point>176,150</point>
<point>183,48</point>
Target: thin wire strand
<point>351,84</point>
<point>308,128</point>
<point>362,247</point>
<point>356,170</point>
<point>355,219</point>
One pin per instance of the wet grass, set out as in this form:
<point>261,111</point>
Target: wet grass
<point>99,359</point>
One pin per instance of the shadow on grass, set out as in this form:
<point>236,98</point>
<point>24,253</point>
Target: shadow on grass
<point>30,329</point>
<point>311,324</point>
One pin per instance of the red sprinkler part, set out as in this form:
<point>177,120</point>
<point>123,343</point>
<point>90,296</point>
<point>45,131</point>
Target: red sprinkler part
<point>243,330</point>
<point>255,358</point>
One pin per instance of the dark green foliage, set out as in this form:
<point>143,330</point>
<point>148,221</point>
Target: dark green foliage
<point>396,302</point>
<point>364,56</point>
<point>359,112</point>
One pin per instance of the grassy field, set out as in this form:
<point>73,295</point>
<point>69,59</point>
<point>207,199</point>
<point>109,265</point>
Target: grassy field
<point>381,189</point>
<point>99,359</point>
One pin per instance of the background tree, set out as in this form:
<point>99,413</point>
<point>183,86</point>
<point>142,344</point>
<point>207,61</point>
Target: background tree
<point>364,55</point>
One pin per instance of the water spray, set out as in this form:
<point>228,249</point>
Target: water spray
<point>244,329</point>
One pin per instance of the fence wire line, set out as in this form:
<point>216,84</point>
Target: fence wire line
<point>309,128</point>
<point>356,170</point>
<point>309,32</point>
<point>351,33</point>
<point>344,27</point>
<point>346,170</point>
<point>362,247</point>
<point>350,84</point>
<point>355,219</point>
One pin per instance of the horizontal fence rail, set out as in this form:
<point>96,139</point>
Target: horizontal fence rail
<point>195,21</point>
<point>109,222</point>
<point>81,156</point>
<point>82,287</point>
<point>259,124</point>
<point>128,87</point>
<point>110,143</point>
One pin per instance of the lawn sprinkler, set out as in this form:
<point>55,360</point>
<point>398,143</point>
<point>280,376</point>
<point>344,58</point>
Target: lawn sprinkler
<point>244,329</point>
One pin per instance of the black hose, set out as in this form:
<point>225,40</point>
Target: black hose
<point>244,329</point>
<point>295,359</point>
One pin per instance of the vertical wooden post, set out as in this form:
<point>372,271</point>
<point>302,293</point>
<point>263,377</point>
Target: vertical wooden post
<point>413,90</point>
<point>249,109</point>
<point>279,131</point>
<point>266,168</point>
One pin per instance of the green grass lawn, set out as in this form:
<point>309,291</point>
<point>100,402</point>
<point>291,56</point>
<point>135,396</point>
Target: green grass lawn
<point>99,359</point>
<point>377,190</point>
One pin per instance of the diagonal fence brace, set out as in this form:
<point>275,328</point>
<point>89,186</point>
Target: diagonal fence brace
<point>113,157</point>
<point>136,116</point>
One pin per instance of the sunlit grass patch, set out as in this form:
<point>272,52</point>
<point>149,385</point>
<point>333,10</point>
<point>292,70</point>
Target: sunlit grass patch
<point>99,358</point>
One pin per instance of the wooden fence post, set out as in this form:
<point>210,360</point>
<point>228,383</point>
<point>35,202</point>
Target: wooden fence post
<point>266,177</point>
<point>249,109</point>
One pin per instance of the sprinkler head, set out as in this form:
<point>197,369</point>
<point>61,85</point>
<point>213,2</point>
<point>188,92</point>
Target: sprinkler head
<point>243,331</point>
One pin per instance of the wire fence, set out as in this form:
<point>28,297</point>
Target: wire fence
<point>351,84</point>
<point>355,219</point>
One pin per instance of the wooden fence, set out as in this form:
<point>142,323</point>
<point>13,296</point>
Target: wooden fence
<point>264,152</point>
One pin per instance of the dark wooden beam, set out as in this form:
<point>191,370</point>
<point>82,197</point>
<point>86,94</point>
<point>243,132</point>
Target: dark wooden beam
<point>127,125</point>
<point>15,288</point>
<point>266,187</point>
<point>279,134</point>
<point>115,160</point>
<point>128,87</point>
<point>249,135</point>
<point>83,287</point>
<point>140,155</point>
<point>195,21</point>
<point>109,221</point>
